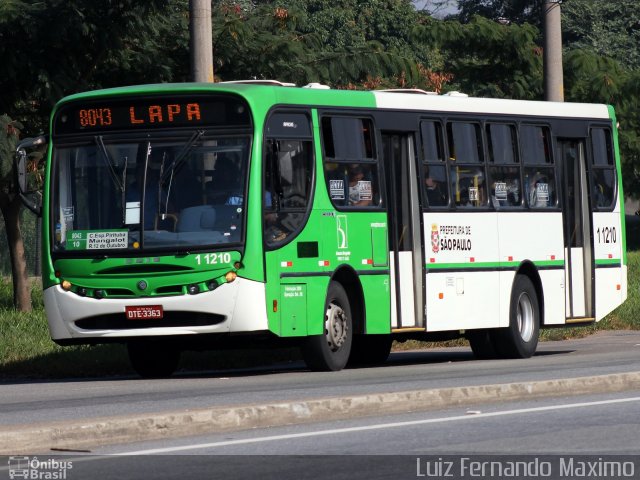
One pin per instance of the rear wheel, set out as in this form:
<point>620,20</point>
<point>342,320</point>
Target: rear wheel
<point>481,342</point>
<point>520,338</point>
<point>330,350</point>
<point>153,358</point>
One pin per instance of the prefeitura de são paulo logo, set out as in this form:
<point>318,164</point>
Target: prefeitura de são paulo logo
<point>435,238</point>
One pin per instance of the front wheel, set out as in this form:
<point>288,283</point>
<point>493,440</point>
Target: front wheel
<point>520,338</point>
<point>330,350</point>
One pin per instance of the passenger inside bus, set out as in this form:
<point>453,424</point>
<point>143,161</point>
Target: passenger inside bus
<point>360,194</point>
<point>225,188</point>
<point>539,193</point>
<point>435,194</point>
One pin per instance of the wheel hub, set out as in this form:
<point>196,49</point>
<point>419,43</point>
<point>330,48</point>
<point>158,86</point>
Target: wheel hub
<point>525,317</point>
<point>336,327</point>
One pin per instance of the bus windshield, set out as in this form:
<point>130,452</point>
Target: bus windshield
<point>139,193</point>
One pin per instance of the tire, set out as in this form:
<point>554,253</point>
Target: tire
<point>370,350</point>
<point>330,351</point>
<point>153,358</point>
<point>481,342</point>
<point>520,338</point>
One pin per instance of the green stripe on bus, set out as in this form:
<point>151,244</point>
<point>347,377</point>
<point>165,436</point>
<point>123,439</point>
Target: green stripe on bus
<point>489,265</point>
<point>608,261</point>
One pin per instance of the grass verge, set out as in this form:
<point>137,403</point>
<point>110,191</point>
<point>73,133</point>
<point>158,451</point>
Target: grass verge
<point>26,351</point>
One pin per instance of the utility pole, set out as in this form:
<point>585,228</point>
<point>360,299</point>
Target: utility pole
<point>553,82</point>
<point>201,40</point>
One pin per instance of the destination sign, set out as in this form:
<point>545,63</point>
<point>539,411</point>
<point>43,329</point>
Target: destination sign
<point>135,113</point>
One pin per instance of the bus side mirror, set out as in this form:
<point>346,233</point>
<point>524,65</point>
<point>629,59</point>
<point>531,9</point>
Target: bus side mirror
<point>31,198</point>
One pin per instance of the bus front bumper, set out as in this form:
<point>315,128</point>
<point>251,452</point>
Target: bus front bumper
<point>239,306</point>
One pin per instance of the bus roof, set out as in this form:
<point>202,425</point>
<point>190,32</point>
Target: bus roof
<point>393,100</point>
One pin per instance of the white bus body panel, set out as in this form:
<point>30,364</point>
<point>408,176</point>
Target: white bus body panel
<point>407,297</point>
<point>464,295</point>
<point>242,302</point>
<point>535,237</point>
<point>479,297</point>
<point>443,103</point>
<point>611,282</point>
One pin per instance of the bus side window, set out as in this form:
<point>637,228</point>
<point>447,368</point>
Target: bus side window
<point>350,166</point>
<point>466,164</point>
<point>288,186</point>
<point>504,168</point>
<point>434,171</point>
<point>603,170</point>
<point>539,172</point>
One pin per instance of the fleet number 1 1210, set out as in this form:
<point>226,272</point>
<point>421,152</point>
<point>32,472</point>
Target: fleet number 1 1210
<point>607,235</point>
<point>213,258</point>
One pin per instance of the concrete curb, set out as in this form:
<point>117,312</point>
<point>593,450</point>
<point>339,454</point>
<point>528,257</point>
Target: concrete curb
<point>87,433</point>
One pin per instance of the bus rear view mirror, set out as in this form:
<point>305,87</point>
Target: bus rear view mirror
<point>29,194</point>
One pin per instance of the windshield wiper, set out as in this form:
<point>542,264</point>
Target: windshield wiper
<point>177,161</point>
<point>109,163</point>
<point>181,156</point>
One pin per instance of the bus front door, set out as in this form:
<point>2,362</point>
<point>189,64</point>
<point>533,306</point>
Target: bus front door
<point>579,278</point>
<point>405,232</point>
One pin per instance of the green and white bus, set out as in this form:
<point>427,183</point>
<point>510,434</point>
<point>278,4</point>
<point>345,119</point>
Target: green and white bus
<point>205,216</point>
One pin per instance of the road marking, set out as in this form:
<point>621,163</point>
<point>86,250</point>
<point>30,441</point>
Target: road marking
<point>381,426</point>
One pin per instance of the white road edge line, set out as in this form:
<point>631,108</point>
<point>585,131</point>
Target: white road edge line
<point>376,427</point>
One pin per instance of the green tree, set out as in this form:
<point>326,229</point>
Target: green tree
<point>609,29</point>
<point>508,11</point>
<point>10,207</point>
<point>490,59</point>
<point>52,48</point>
<point>289,41</point>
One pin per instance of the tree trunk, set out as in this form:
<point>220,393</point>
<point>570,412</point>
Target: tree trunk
<point>10,205</point>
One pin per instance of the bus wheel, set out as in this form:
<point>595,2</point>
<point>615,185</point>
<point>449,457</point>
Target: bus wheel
<point>370,350</point>
<point>481,342</point>
<point>330,351</point>
<point>153,358</point>
<point>520,338</point>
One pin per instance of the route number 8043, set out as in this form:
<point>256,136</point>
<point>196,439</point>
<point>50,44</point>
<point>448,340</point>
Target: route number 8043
<point>213,258</point>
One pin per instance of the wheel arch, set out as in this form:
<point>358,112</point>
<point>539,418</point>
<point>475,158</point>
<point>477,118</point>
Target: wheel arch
<point>348,278</point>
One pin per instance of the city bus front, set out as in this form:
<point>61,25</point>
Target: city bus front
<point>145,222</point>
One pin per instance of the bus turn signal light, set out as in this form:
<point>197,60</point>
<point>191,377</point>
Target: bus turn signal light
<point>230,276</point>
<point>66,285</point>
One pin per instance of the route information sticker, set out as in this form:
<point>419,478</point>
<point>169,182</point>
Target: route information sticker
<point>91,240</point>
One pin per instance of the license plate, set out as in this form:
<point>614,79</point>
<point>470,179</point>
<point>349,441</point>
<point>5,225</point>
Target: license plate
<point>146,312</point>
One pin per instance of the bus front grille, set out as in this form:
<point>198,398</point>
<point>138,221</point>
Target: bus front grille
<point>118,321</point>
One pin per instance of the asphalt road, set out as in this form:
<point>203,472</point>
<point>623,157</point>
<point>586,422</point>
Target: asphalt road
<point>36,405</point>
<point>556,435</point>
<point>44,401</point>
<point>601,424</point>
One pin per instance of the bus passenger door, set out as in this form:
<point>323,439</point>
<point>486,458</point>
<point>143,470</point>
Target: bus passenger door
<point>577,231</point>
<point>405,232</point>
